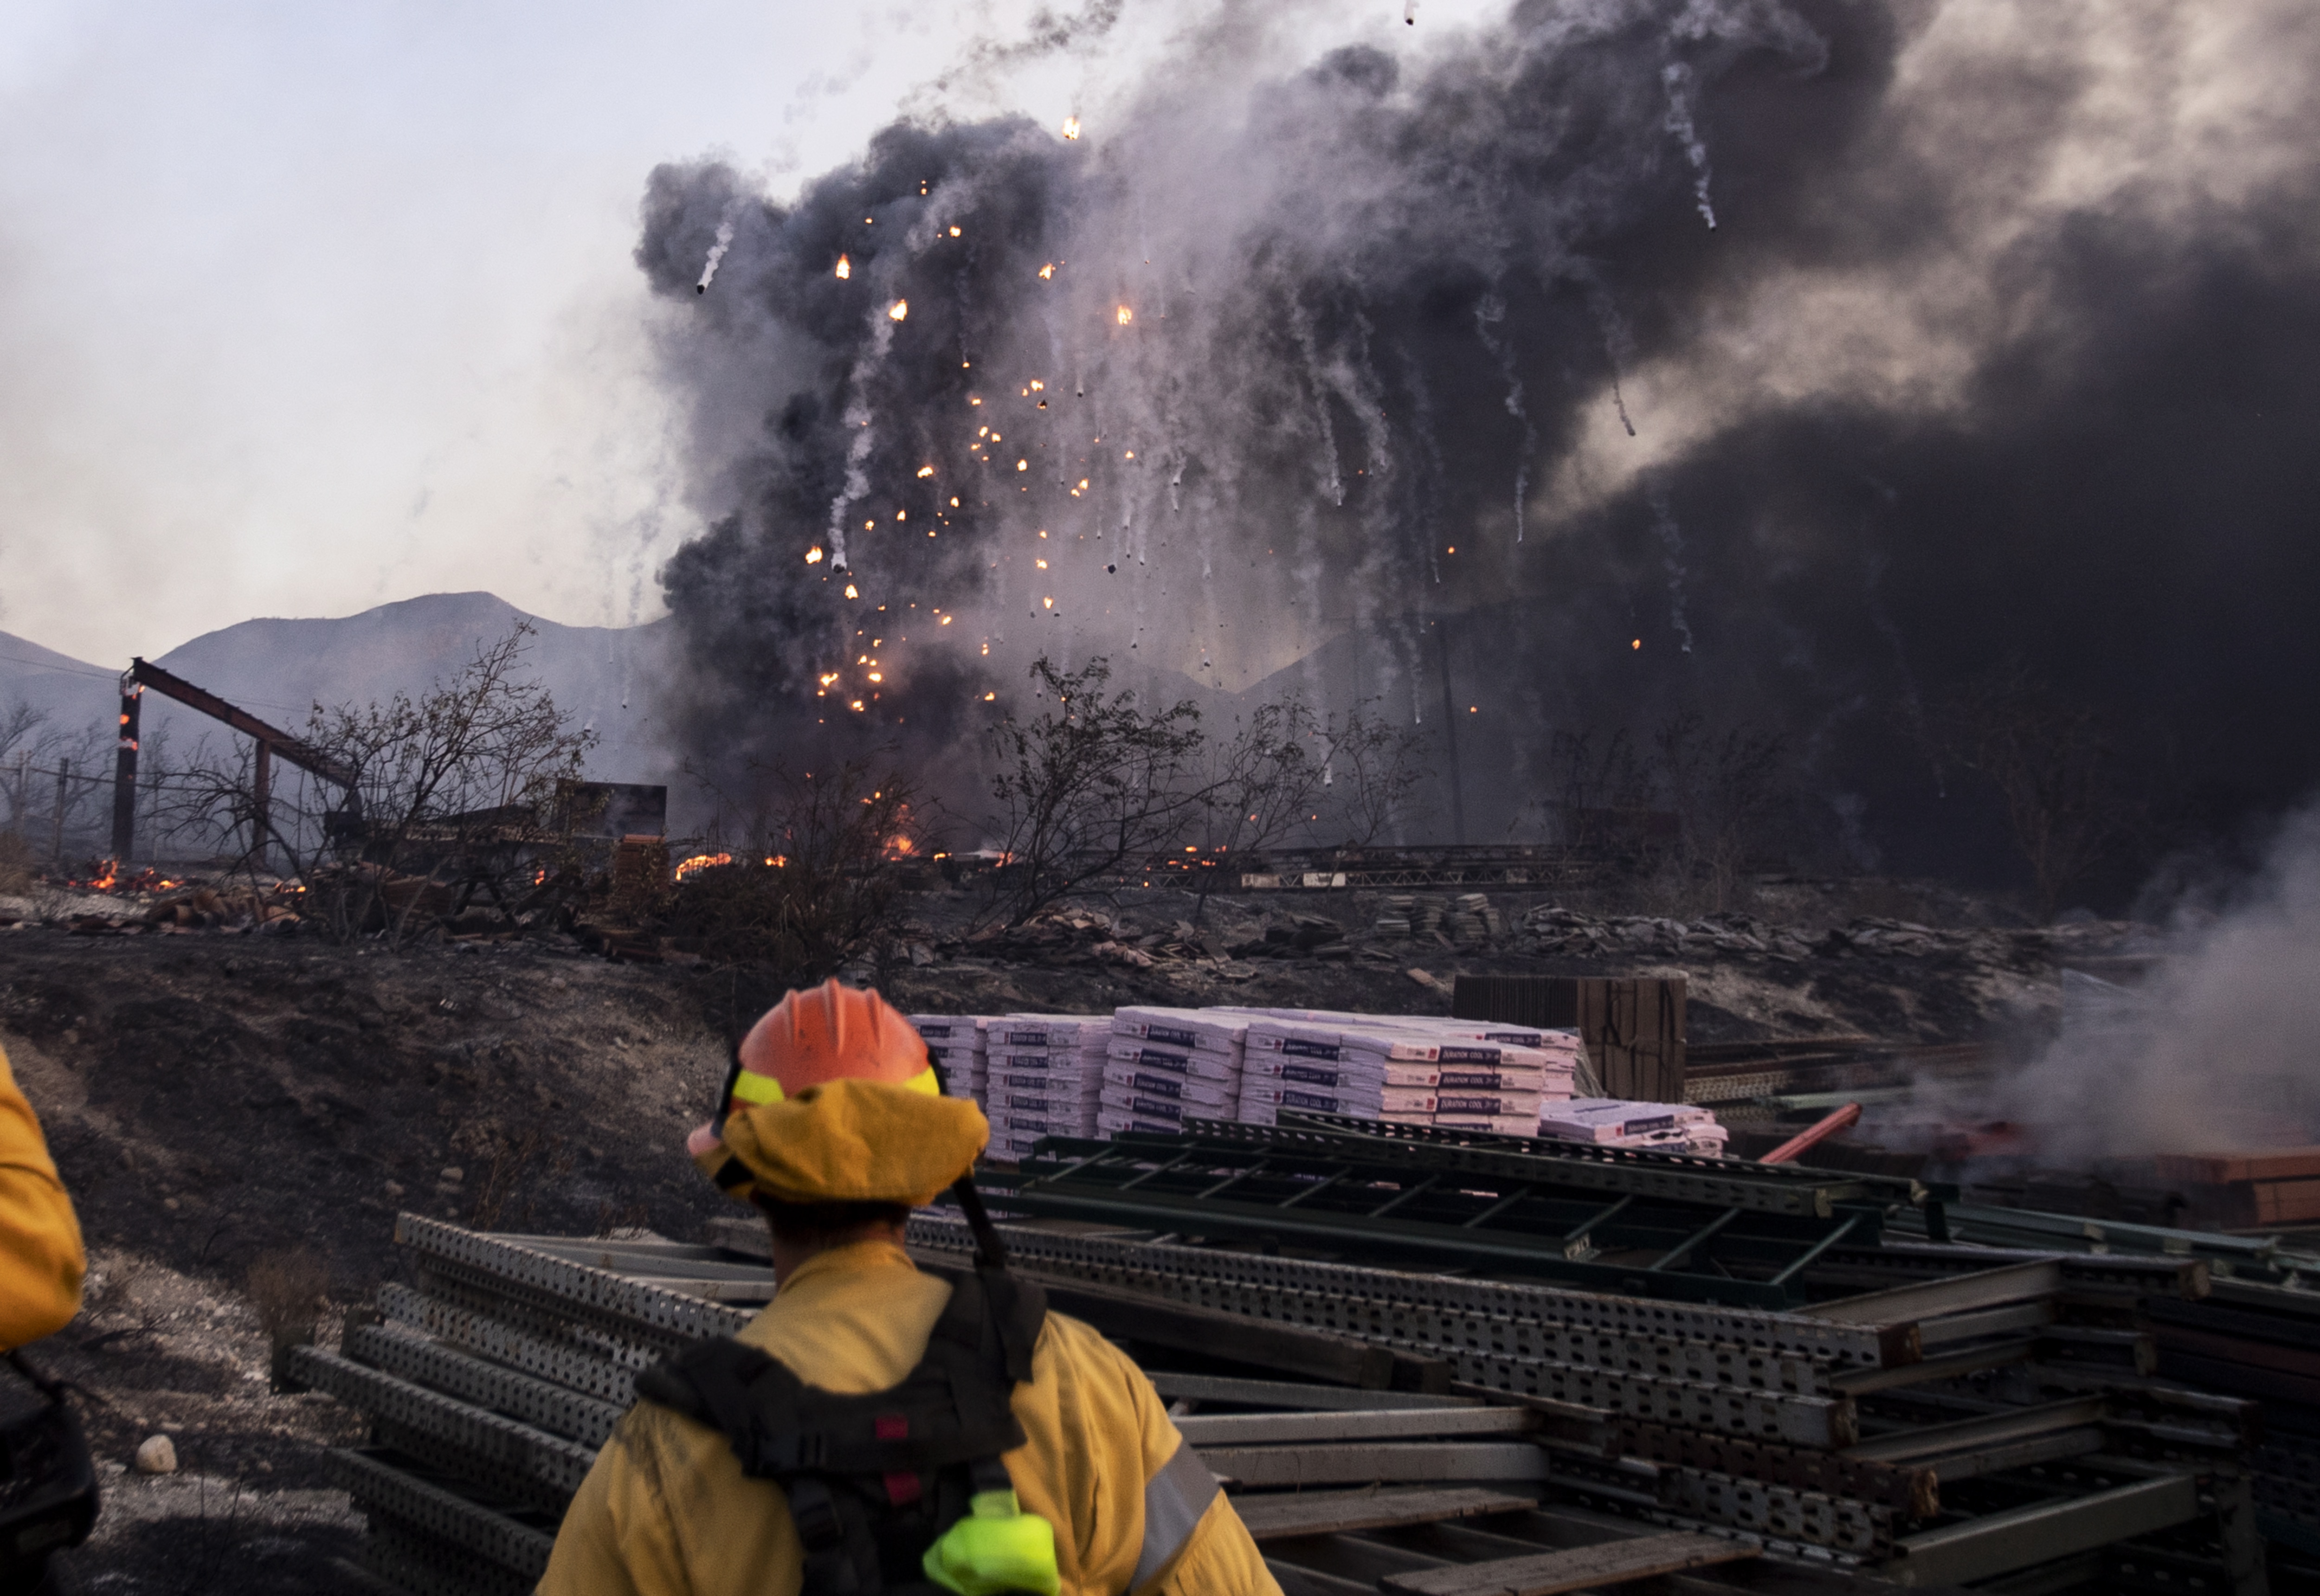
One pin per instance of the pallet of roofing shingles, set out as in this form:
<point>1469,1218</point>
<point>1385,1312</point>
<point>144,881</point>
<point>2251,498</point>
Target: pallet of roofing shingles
<point>1615,1122</point>
<point>1481,1080</point>
<point>1331,1068</point>
<point>1165,1065</point>
<point>955,1042</point>
<point>1038,1079</point>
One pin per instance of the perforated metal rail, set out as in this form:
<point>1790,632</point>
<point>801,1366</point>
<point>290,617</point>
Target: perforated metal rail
<point>1380,1199</point>
<point>491,1381</point>
<point>1646,1319</point>
<point>1690,1177</point>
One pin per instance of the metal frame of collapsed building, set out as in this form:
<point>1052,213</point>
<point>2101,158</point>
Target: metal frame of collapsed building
<point>270,743</point>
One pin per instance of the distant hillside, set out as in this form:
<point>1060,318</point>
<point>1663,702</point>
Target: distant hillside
<point>279,669</point>
<point>72,693</point>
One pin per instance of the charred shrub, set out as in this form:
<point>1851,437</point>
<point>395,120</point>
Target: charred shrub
<point>806,874</point>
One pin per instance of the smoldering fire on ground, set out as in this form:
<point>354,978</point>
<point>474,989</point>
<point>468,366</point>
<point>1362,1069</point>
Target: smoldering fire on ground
<point>1410,367</point>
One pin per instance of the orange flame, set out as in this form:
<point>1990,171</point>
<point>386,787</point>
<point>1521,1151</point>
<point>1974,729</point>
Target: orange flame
<point>701,862</point>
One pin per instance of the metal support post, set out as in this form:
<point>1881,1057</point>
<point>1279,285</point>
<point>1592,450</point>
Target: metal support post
<point>261,800</point>
<point>125,773</point>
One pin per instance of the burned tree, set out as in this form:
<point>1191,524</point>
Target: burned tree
<point>804,871</point>
<point>437,801</point>
<point>1093,784</point>
<point>2052,764</point>
<point>1261,787</point>
<point>1370,772</point>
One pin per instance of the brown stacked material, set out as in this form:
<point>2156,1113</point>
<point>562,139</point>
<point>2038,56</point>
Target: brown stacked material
<point>640,877</point>
<point>1634,1030</point>
<point>2244,1191</point>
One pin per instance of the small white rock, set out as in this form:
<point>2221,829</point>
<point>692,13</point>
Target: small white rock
<point>157,1455</point>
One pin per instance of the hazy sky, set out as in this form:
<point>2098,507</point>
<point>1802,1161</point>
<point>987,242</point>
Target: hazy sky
<point>306,308</point>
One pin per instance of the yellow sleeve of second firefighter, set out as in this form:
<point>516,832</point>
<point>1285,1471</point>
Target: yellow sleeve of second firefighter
<point>1100,1415</point>
<point>40,1258</point>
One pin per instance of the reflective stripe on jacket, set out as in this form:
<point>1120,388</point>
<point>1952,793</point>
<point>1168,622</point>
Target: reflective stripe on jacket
<point>666,1511</point>
<point>41,1259</point>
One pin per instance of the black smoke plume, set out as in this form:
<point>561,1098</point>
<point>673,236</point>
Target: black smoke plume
<point>1790,362</point>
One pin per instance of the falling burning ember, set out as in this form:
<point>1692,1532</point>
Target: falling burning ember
<point>845,267</point>
<point>813,555</point>
<point>1071,127</point>
<point>902,308</point>
<point>701,862</point>
<point>1126,316</point>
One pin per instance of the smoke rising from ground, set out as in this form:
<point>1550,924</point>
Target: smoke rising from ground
<point>2216,1051</point>
<point>1394,368</point>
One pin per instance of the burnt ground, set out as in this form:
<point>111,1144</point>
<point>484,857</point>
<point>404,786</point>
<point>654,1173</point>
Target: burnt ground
<point>214,1099</point>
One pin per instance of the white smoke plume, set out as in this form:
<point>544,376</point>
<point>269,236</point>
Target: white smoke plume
<point>2218,1050</point>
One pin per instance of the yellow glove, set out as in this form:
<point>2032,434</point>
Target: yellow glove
<point>997,1547</point>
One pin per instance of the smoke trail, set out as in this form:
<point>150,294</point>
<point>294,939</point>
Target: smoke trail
<point>1672,540</point>
<point>1488,312</point>
<point>716,253</point>
<point>1679,90</point>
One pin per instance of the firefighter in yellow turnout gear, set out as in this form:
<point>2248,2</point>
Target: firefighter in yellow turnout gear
<point>41,1259</point>
<point>834,1126</point>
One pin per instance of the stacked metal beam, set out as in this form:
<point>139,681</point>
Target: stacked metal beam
<point>1937,1410</point>
<point>1753,1360</point>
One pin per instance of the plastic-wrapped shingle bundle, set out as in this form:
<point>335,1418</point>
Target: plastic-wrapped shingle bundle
<point>1615,1122</point>
<point>954,1043</point>
<point>1037,1081</point>
<point>1416,1069</point>
<point>1165,1065</point>
<point>1330,1068</point>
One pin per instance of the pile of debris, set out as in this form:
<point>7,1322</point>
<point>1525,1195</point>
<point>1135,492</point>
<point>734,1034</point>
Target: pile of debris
<point>1468,917</point>
<point>205,907</point>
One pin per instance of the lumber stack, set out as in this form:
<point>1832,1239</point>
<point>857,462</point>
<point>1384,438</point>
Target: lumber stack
<point>1634,1030</point>
<point>2247,1191</point>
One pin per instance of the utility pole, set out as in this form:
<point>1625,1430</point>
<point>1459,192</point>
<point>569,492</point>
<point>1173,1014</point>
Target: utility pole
<point>261,802</point>
<point>124,771</point>
<point>64,774</point>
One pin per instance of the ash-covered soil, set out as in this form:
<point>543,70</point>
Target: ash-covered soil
<point>215,1100</point>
